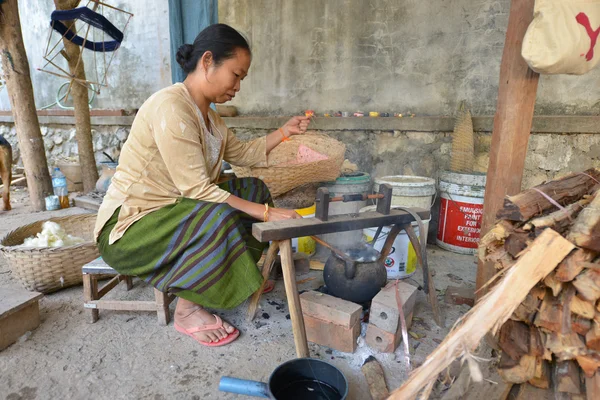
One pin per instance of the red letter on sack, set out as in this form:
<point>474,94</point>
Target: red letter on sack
<point>583,19</point>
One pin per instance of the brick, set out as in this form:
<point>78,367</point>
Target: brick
<point>331,335</point>
<point>331,309</point>
<point>383,341</point>
<point>460,295</point>
<point>384,307</point>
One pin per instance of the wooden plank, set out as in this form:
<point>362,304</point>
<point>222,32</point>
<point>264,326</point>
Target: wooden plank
<point>291,292</point>
<point>512,125</point>
<point>108,286</point>
<point>266,271</point>
<point>282,230</point>
<point>13,300</point>
<point>544,254</point>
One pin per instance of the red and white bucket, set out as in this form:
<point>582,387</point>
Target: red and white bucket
<point>461,211</point>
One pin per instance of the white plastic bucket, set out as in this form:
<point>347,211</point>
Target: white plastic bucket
<point>461,211</point>
<point>409,191</point>
<point>402,260</point>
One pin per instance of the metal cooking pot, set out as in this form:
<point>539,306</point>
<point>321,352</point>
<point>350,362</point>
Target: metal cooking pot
<point>352,280</point>
<point>301,378</point>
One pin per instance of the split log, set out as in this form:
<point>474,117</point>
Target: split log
<point>588,284</point>
<point>541,377</point>
<point>495,237</point>
<point>567,190</point>
<point>527,310</point>
<point>592,338</point>
<point>373,372</point>
<point>517,242</point>
<point>555,285</point>
<point>559,220</point>
<point>550,315</point>
<point>592,387</point>
<point>571,266</point>
<point>536,342</point>
<point>582,307</point>
<point>566,346</point>
<point>514,338</point>
<point>519,371</point>
<point>589,363</point>
<point>580,325</point>
<point>491,311</point>
<point>585,231</point>
<point>567,377</point>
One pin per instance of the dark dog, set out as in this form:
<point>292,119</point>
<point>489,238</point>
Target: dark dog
<point>5,170</point>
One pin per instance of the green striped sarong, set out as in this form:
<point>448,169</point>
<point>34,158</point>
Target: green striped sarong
<point>200,251</point>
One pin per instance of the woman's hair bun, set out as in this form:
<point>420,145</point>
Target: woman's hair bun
<point>184,54</point>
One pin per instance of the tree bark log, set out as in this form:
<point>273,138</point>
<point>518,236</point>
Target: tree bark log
<point>83,127</point>
<point>20,93</point>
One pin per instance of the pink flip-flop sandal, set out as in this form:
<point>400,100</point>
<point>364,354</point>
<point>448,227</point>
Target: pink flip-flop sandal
<point>219,324</point>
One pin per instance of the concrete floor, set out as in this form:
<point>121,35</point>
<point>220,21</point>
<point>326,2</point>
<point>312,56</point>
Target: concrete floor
<point>127,355</point>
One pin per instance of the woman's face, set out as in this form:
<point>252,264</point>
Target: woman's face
<point>221,83</point>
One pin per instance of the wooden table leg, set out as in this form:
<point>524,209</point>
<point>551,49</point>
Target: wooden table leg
<point>90,292</point>
<point>266,271</point>
<point>291,291</point>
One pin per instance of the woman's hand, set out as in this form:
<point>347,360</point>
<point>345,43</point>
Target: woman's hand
<point>282,214</point>
<point>296,126</point>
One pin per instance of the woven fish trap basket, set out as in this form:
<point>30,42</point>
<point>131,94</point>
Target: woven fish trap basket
<point>48,269</point>
<point>287,170</point>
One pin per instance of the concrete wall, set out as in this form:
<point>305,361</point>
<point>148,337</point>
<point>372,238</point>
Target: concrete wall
<point>385,55</point>
<point>140,67</point>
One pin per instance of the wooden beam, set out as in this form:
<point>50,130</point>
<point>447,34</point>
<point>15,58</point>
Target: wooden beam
<point>512,125</point>
<point>282,230</point>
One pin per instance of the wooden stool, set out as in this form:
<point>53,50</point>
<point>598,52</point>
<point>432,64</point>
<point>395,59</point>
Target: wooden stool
<point>19,313</point>
<point>92,295</point>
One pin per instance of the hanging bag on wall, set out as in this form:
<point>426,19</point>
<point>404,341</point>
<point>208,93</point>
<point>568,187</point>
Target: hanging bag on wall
<point>563,37</point>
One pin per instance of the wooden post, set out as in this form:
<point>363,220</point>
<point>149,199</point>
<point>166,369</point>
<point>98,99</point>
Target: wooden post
<point>20,93</point>
<point>79,92</point>
<point>512,125</point>
<point>291,292</point>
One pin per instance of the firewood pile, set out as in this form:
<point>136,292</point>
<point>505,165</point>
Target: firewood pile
<point>552,339</point>
<point>543,304</point>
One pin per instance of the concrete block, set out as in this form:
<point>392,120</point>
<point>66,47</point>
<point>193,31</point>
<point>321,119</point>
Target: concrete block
<point>383,341</point>
<point>330,309</point>
<point>384,307</point>
<point>460,295</point>
<point>331,335</point>
<point>19,313</point>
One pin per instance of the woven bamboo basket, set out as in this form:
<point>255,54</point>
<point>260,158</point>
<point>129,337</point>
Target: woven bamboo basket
<point>48,269</point>
<point>285,174</point>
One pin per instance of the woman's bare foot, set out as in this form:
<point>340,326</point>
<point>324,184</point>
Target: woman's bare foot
<point>189,315</point>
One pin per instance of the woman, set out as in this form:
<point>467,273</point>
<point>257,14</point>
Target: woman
<point>165,219</point>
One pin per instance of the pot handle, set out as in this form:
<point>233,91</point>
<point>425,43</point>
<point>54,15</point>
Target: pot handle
<point>243,386</point>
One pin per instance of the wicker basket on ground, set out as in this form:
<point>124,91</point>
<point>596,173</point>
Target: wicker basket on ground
<point>303,159</point>
<point>48,269</point>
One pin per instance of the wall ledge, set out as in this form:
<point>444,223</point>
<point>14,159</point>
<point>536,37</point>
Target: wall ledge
<point>541,123</point>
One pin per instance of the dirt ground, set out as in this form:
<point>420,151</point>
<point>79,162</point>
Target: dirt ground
<point>127,355</point>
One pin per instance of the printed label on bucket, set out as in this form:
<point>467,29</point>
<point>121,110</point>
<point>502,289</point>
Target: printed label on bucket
<point>460,223</point>
<point>402,260</point>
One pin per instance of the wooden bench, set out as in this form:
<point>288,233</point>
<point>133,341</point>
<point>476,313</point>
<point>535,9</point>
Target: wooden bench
<point>92,295</point>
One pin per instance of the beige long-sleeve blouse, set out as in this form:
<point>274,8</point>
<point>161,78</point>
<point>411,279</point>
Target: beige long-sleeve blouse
<point>166,157</point>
